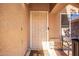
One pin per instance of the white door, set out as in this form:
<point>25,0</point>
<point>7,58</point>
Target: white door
<point>38,29</point>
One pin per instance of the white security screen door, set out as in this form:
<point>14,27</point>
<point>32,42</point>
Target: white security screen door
<point>38,29</point>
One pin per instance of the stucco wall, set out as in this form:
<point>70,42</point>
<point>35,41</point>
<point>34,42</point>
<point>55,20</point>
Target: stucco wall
<point>54,29</point>
<point>39,7</point>
<point>13,29</point>
<point>54,25</point>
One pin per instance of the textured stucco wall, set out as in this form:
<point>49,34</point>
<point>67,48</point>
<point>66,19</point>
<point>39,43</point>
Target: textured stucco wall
<point>39,7</point>
<point>13,29</point>
<point>54,25</point>
<point>54,29</point>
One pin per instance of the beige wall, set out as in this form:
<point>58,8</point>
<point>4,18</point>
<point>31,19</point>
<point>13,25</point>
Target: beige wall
<point>54,29</point>
<point>54,25</point>
<point>13,29</point>
<point>28,23</point>
<point>39,7</point>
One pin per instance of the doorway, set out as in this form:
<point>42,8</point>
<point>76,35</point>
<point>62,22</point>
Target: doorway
<point>38,29</point>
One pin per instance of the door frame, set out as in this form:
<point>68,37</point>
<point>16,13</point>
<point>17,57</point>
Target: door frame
<point>31,27</point>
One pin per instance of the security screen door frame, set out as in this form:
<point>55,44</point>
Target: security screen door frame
<point>32,24</point>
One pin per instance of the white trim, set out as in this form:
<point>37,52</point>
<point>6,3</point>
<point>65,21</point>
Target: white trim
<point>60,24</point>
<point>31,27</point>
<point>60,27</point>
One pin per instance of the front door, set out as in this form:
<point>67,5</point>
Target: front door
<point>38,29</point>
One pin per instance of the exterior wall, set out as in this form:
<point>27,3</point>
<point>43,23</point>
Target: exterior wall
<point>13,29</point>
<point>28,23</point>
<point>39,7</point>
<point>54,29</point>
<point>54,25</point>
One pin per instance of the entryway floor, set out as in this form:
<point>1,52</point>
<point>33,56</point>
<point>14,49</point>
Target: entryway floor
<point>41,53</point>
<point>36,53</point>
